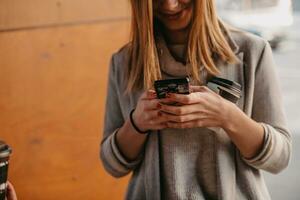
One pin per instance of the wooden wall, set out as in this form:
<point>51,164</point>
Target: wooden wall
<point>16,14</point>
<point>53,70</point>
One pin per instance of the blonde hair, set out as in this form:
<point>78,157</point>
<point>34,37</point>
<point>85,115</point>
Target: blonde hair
<point>205,39</point>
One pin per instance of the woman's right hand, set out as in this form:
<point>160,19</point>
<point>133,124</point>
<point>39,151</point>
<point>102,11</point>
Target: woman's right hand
<point>147,115</point>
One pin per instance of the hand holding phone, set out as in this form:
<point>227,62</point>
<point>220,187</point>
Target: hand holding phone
<point>179,86</point>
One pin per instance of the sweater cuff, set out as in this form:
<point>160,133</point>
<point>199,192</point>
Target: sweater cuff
<point>262,156</point>
<point>120,157</point>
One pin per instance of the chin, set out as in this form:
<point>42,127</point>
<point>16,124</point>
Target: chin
<point>176,26</point>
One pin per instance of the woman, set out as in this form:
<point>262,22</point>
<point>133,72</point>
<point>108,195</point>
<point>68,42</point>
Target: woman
<point>170,149</point>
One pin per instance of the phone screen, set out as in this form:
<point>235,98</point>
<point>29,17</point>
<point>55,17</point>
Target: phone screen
<point>179,86</point>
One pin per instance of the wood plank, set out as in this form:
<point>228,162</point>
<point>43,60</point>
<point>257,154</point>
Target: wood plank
<point>52,93</point>
<point>34,13</point>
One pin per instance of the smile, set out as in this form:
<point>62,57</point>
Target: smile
<point>172,16</point>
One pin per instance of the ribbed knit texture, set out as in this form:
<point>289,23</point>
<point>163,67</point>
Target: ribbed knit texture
<point>188,162</point>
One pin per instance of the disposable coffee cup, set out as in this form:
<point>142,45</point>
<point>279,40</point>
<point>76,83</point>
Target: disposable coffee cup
<point>5,152</point>
<point>228,89</point>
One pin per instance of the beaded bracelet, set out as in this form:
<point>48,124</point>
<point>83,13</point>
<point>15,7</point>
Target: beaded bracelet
<point>133,124</point>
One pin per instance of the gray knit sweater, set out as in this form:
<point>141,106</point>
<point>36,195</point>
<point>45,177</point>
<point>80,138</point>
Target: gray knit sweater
<point>211,166</point>
<point>187,159</point>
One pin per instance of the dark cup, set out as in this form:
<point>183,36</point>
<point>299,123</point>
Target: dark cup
<point>228,89</point>
<point>5,152</point>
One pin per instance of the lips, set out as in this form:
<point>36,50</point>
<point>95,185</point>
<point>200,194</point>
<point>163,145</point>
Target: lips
<point>172,16</point>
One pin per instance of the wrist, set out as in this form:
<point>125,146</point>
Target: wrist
<point>232,117</point>
<point>135,123</point>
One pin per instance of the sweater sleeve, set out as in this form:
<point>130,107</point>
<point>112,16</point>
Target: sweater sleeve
<point>112,158</point>
<point>268,111</point>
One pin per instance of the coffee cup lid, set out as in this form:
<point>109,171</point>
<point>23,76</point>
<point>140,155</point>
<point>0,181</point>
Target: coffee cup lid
<point>5,150</point>
<point>232,92</point>
<point>232,85</point>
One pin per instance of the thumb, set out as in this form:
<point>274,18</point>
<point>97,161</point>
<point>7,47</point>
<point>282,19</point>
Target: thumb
<point>11,193</point>
<point>196,88</point>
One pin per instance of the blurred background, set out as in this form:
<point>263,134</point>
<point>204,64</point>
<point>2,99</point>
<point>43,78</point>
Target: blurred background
<point>53,71</point>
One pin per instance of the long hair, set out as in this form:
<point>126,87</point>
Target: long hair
<point>205,40</point>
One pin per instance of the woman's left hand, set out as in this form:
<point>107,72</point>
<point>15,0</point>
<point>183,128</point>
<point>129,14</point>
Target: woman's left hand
<point>201,108</point>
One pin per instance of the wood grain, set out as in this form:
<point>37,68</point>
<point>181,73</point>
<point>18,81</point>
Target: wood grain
<point>16,14</point>
<point>52,94</point>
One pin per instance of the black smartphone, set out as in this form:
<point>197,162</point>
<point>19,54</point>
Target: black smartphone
<point>179,86</point>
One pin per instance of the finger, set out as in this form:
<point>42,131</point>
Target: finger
<point>166,101</point>
<point>186,99</point>
<point>196,88</point>
<point>184,109</point>
<point>160,126</point>
<point>193,124</point>
<point>152,114</point>
<point>152,104</point>
<point>185,118</point>
<point>157,119</point>
<point>202,88</point>
<point>208,90</point>
<point>11,194</point>
<point>9,186</point>
<point>149,94</point>
<point>157,124</point>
